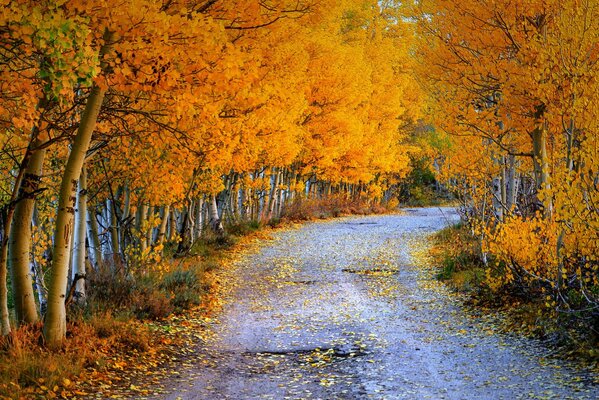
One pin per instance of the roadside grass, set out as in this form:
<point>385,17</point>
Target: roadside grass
<point>457,254</point>
<point>126,326</point>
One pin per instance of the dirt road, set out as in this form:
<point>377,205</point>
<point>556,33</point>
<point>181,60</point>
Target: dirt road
<point>342,310</point>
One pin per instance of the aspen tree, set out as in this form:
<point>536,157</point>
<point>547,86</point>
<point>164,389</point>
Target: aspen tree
<point>55,320</point>
<point>20,241</point>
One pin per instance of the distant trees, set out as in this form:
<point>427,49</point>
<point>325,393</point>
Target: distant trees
<point>129,126</point>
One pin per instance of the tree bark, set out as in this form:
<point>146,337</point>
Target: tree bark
<point>541,164</point>
<point>199,215</point>
<point>94,238</point>
<point>55,323</point>
<point>511,191</point>
<point>19,246</point>
<point>163,223</point>
<point>142,217</point>
<point>191,221</point>
<point>172,225</point>
<point>78,257</point>
<point>124,233</point>
<point>215,222</point>
<point>272,197</point>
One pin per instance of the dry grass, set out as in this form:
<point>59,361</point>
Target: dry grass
<point>29,370</point>
<point>330,207</point>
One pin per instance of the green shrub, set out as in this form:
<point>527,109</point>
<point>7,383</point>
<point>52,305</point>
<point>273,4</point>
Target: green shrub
<point>184,287</point>
<point>243,228</point>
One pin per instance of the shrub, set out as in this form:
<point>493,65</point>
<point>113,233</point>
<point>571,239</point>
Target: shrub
<point>148,302</point>
<point>334,206</point>
<point>107,291</point>
<point>242,228</point>
<point>121,332</point>
<point>185,288</point>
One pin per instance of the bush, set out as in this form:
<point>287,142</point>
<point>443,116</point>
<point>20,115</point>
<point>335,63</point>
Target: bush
<point>107,291</point>
<point>151,303</point>
<point>185,288</point>
<point>458,255</point>
<point>334,206</point>
<point>527,308</point>
<point>243,228</point>
<point>121,332</point>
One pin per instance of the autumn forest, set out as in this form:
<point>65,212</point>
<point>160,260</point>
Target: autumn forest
<point>139,138</point>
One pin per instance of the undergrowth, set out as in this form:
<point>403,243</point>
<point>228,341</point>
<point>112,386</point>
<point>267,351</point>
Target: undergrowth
<point>116,323</point>
<point>331,207</point>
<point>458,255</point>
<point>29,370</point>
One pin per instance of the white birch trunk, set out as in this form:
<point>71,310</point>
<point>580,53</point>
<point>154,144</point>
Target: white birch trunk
<point>37,273</point>
<point>163,224</point>
<point>115,244</point>
<point>199,215</point>
<point>215,222</point>
<point>19,245</point>
<point>78,256</point>
<point>125,216</point>
<point>142,217</point>
<point>191,221</point>
<point>172,225</point>
<point>95,246</point>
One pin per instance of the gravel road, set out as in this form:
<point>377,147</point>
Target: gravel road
<point>343,309</point>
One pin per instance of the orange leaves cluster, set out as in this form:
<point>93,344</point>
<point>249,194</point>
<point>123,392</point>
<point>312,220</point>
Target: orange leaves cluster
<point>527,244</point>
<point>319,90</point>
<point>514,84</point>
<point>197,90</point>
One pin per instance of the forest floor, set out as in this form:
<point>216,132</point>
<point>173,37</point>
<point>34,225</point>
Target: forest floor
<point>350,309</point>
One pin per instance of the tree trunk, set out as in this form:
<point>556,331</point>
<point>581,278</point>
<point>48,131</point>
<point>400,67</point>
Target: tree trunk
<point>20,241</point>
<point>7,217</point>
<point>78,257</point>
<point>199,215</point>
<point>215,222</point>
<point>234,200</point>
<point>504,184</point>
<point>166,212</point>
<point>115,243</point>
<point>272,197</point>
<point>55,323</point>
<point>142,217</point>
<point>281,194</point>
<point>191,221</point>
<point>511,183</point>
<point>124,233</point>
<point>150,227</point>
<point>185,239</point>
<point>36,271</point>
<point>94,238</point>
<point>242,211</point>
<point>172,225</point>
<point>541,164</point>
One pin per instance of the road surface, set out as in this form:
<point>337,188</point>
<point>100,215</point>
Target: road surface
<point>344,309</point>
